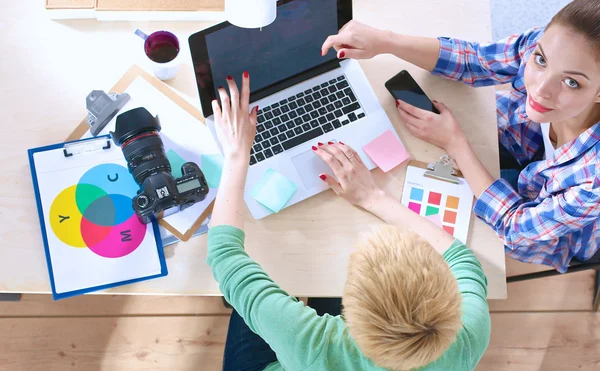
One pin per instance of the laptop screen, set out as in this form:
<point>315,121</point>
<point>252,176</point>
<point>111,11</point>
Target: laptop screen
<point>286,48</point>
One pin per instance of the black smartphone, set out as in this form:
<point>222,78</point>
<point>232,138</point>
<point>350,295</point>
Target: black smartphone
<point>404,87</point>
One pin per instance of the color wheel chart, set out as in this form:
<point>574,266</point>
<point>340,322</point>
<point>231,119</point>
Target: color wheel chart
<point>429,198</point>
<point>97,213</point>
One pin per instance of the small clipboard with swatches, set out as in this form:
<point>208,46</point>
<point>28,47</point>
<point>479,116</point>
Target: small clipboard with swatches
<point>439,193</point>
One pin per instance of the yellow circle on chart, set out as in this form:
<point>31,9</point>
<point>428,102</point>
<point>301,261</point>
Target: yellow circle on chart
<point>65,218</point>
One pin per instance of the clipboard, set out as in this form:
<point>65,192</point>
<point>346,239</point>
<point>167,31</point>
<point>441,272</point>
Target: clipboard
<point>441,170</point>
<point>72,254</point>
<point>126,80</point>
<point>439,193</point>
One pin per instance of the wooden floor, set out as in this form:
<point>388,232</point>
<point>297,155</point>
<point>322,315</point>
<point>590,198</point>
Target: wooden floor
<point>544,325</point>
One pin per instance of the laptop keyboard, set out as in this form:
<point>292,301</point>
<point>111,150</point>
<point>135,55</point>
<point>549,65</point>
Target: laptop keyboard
<point>303,117</point>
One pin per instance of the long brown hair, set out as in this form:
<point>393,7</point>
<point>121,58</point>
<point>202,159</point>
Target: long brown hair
<point>582,16</point>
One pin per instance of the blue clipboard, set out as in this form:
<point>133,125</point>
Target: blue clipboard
<point>70,149</point>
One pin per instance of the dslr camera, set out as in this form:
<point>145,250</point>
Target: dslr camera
<point>160,194</point>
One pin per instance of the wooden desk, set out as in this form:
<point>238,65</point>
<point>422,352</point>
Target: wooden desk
<point>49,67</point>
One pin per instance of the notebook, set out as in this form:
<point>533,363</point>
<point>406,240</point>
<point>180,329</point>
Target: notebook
<point>92,238</point>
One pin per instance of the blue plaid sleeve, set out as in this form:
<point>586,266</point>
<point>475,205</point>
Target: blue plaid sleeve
<point>530,230</point>
<point>479,64</point>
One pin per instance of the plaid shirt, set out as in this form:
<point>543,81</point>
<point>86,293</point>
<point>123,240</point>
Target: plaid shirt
<point>553,217</point>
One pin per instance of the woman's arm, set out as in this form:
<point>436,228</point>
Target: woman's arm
<point>359,41</point>
<point>355,183</point>
<point>235,127</point>
<point>473,63</point>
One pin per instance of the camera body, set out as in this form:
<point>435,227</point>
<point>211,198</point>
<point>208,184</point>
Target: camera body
<point>160,194</point>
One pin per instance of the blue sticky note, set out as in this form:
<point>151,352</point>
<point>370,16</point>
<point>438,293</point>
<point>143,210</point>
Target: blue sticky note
<point>212,167</point>
<point>273,190</point>
<point>176,163</point>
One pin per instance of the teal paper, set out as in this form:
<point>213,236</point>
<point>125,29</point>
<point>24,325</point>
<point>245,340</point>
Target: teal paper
<point>212,167</point>
<point>273,190</point>
<point>176,161</point>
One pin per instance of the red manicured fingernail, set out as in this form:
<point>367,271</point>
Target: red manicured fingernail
<point>323,176</point>
<point>320,144</point>
<point>321,52</point>
<point>229,78</point>
<point>246,74</point>
<point>220,87</point>
<point>342,54</point>
<point>342,143</point>
<point>256,108</point>
<point>397,103</point>
<point>314,148</point>
<point>330,143</point>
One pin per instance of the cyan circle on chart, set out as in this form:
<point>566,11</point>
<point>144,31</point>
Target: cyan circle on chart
<point>102,212</point>
<point>111,178</point>
<point>109,210</point>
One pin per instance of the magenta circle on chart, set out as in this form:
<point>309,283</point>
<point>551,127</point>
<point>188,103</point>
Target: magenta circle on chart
<point>122,240</point>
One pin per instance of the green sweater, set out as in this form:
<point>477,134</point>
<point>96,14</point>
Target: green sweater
<point>304,340</point>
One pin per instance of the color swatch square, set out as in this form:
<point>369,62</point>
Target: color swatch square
<point>431,210</point>
<point>435,198</point>
<point>176,162</point>
<point>273,190</point>
<point>449,229</point>
<point>415,207</point>
<point>452,202</point>
<point>416,194</point>
<point>212,167</point>
<point>450,217</point>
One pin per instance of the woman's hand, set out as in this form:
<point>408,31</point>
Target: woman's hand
<point>234,123</point>
<point>441,130</point>
<point>355,182</point>
<point>358,41</point>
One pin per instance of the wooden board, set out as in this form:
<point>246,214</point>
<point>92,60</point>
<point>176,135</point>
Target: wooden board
<point>543,342</point>
<point>116,344</point>
<point>113,305</point>
<point>161,5</point>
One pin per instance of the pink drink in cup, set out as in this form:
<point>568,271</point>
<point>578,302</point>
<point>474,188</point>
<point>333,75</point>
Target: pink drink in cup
<point>162,48</point>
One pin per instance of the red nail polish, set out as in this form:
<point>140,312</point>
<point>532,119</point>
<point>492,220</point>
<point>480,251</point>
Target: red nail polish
<point>342,54</point>
<point>321,52</point>
<point>323,176</point>
<point>246,74</point>
<point>342,143</point>
<point>330,143</point>
<point>220,87</point>
<point>229,78</point>
<point>256,109</point>
<point>214,100</point>
<point>314,148</point>
<point>320,144</point>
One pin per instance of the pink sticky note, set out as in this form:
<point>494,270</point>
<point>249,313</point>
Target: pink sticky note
<point>386,151</point>
<point>435,219</point>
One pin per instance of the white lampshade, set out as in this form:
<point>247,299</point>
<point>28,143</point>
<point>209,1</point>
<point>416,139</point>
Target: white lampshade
<point>250,13</point>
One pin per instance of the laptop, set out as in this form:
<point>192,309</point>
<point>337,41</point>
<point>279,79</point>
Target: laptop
<point>304,98</point>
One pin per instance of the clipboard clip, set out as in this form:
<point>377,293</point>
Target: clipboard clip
<point>84,146</point>
<point>442,170</point>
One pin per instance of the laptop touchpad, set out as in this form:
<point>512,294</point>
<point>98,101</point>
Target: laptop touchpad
<point>309,166</point>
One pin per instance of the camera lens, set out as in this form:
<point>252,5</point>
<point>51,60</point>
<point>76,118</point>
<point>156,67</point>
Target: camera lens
<point>136,132</point>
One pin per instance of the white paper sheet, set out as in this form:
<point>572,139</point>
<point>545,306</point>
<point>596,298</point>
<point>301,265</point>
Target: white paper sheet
<point>94,237</point>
